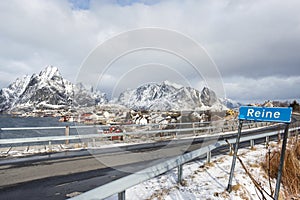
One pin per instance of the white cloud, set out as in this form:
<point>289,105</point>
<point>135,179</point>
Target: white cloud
<point>267,88</point>
<point>253,39</point>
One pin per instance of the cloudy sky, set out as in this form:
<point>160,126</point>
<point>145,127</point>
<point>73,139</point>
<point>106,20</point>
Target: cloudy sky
<point>255,45</point>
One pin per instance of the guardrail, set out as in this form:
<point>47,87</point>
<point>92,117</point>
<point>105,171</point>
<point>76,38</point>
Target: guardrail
<point>102,126</point>
<point>119,186</point>
<point>195,128</point>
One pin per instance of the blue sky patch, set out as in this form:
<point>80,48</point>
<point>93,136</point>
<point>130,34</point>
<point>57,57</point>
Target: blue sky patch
<point>130,2</point>
<point>80,4</point>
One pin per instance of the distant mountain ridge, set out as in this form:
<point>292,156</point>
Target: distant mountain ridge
<point>169,96</point>
<point>229,103</point>
<point>49,90</point>
<point>46,90</point>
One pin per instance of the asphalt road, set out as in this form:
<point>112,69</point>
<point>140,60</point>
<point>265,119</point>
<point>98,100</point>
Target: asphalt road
<point>56,177</point>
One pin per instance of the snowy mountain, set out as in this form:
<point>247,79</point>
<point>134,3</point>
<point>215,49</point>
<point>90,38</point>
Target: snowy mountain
<point>170,96</point>
<point>229,103</point>
<point>49,90</point>
<point>46,90</point>
<point>9,95</point>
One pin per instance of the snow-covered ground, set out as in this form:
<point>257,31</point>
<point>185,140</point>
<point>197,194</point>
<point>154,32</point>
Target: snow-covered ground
<point>208,181</point>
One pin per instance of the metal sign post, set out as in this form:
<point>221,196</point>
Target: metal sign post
<point>281,164</point>
<point>274,114</point>
<point>229,187</point>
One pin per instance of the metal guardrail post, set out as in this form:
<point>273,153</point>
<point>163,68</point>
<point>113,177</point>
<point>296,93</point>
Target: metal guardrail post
<point>208,157</point>
<point>67,133</point>
<point>179,174</point>
<point>297,134</point>
<point>252,144</point>
<point>94,142</point>
<point>50,146</point>
<point>230,150</point>
<point>121,195</point>
<point>193,126</point>
<point>267,141</point>
<point>279,135</point>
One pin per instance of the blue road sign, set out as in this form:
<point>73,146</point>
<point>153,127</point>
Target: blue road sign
<point>268,114</point>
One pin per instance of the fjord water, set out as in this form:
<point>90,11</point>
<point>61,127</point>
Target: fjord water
<point>8,121</point>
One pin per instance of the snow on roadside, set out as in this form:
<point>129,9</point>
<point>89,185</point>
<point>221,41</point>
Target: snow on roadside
<point>208,181</point>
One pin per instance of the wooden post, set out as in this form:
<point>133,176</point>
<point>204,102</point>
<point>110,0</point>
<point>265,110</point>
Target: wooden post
<point>67,133</point>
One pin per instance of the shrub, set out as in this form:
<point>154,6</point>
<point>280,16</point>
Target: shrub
<point>291,170</point>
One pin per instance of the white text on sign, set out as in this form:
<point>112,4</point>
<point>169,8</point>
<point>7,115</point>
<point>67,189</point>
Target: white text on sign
<point>263,114</point>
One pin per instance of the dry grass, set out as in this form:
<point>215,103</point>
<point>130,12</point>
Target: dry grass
<point>236,187</point>
<point>291,172</point>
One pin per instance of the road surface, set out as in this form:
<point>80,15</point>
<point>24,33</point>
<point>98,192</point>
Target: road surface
<point>57,177</point>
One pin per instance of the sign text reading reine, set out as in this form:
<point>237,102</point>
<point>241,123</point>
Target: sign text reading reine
<point>262,114</point>
<point>275,114</point>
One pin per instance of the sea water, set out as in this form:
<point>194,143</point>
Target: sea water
<point>8,121</point>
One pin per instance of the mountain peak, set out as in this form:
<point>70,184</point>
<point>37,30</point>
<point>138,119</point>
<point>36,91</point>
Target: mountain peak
<point>208,96</point>
<point>49,72</point>
<point>47,90</point>
<point>206,90</point>
<point>175,85</point>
